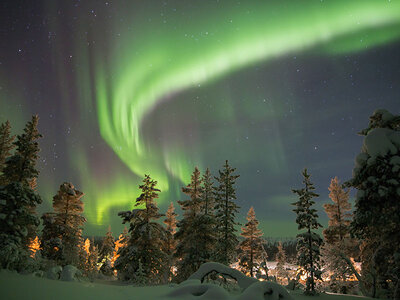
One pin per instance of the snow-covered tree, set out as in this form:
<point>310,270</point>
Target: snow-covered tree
<point>147,240</point>
<point>62,231</point>
<point>309,242</point>
<point>107,247</point>
<point>281,261</point>
<point>15,219</point>
<point>170,223</point>
<point>226,210</point>
<point>337,236</point>
<point>376,220</point>
<point>6,146</point>
<point>251,247</point>
<point>18,220</point>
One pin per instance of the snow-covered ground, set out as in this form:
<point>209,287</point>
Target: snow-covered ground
<point>17,286</point>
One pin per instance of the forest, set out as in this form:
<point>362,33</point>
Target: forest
<point>357,253</point>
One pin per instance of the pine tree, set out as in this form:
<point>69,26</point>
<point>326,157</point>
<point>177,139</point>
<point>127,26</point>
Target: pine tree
<point>208,201</point>
<point>147,240</point>
<point>170,223</point>
<point>107,247</point>
<point>64,226</point>
<point>281,261</point>
<point>189,250</point>
<point>309,242</point>
<point>120,243</point>
<point>337,235</point>
<point>6,146</point>
<point>226,210</point>
<point>18,222</point>
<point>21,167</point>
<point>376,221</point>
<point>251,247</point>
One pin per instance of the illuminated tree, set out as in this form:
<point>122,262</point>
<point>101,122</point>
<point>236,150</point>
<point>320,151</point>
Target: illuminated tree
<point>337,235</point>
<point>251,247</point>
<point>376,219</point>
<point>119,244</point>
<point>62,231</point>
<point>18,222</point>
<point>147,240</point>
<point>309,242</point>
<point>281,261</point>
<point>226,210</point>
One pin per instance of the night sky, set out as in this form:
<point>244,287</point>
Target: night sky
<point>124,88</point>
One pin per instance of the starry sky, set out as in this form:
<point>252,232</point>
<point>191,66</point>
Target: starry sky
<point>127,88</point>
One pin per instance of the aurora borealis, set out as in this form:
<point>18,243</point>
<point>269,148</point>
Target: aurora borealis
<point>125,88</point>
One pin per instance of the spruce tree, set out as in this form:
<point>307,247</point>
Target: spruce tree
<point>376,221</point>
<point>251,247</point>
<point>64,226</point>
<point>226,210</point>
<point>147,240</point>
<point>281,261</point>
<point>18,222</point>
<point>208,201</point>
<point>189,251</point>
<point>107,247</point>
<point>337,236</point>
<point>21,167</point>
<point>6,146</point>
<point>106,253</point>
<point>170,223</point>
<point>309,242</point>
<point>120,243</point>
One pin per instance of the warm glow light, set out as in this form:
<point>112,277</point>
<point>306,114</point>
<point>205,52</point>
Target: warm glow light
<point>34,246</point>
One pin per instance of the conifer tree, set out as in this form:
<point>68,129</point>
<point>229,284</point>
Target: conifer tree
<point>21,167</point>
<point>107,247</point>
<point>18,201</point>
<point>6,146</point>
<point>120,243</point>
<point>251,247</point>
<point>189,250</point>
<point>337,235</point>
<point>376,221</point>
<point>106,253</point>
<point>170,222</point>
<point>64,226</point>
<point>281,261</point>
<point>208,201</point>
<point>147,240</point>
<point>309,242</point>
<point>226,210</point>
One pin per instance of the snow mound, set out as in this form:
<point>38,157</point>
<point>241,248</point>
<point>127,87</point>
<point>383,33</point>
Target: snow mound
<point>251,287</point>
<point>207,268</point>
<point>54,273</point>
<point>70,273</point>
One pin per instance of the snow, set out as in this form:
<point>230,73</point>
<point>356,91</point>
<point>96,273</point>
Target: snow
<point>16,286</point>
<point>381,141</point>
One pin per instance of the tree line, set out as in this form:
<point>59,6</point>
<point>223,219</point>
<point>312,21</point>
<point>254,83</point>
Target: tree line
<point>151,253</point>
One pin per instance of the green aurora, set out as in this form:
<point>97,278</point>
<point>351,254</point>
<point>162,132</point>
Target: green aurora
<point>145,56</point>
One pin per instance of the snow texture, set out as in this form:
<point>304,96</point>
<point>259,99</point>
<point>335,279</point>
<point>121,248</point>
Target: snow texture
<point>54,273</point>
<point>207,268</point>
<point>381,141</point>
<point>70,273</point>
<point>16,286</point>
